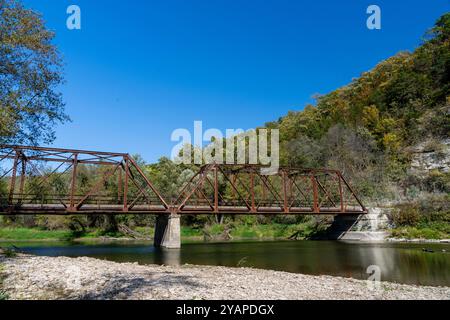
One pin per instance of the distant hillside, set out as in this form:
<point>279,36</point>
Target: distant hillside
<point>371,128</point>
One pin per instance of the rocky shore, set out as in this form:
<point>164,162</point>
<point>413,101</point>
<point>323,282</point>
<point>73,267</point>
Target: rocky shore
<point>32,277</point>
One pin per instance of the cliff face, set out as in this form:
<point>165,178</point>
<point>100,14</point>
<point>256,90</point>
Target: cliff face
<point>431,155</point>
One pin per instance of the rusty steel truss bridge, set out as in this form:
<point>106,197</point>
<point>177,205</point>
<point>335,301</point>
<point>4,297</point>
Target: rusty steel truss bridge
<point>51,181</point>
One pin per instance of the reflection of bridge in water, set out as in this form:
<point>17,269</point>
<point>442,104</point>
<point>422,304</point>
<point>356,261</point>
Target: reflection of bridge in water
<point>53,181</point>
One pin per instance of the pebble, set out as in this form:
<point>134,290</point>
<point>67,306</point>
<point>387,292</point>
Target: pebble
<point>32,277</point>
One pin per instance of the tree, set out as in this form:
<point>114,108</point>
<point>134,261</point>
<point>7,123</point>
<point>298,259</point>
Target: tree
<point>30,73</point>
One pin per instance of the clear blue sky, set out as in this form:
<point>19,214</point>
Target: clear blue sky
<point>140,69</point>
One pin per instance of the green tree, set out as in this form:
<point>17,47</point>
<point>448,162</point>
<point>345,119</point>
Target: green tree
<point>30,73</point>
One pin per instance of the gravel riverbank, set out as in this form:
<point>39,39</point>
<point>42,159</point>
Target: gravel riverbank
<point>32,277</point>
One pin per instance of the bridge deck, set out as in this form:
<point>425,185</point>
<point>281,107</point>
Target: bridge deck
<point>60,209</point>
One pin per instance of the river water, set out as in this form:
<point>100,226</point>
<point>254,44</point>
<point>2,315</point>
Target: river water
<point>422,264</point>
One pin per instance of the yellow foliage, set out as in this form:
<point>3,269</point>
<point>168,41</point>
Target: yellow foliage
<point>371,116</point>
<point>391,141</point>
<point>386,125</point>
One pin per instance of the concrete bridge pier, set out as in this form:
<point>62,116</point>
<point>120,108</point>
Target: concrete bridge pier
<point>167,231</point>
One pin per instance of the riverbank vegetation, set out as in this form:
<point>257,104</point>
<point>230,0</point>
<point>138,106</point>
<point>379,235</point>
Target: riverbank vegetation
<point>238,230</point>
<point>426,219</point>
<point>373,130</point>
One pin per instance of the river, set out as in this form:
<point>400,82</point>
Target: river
<point>406,263</point>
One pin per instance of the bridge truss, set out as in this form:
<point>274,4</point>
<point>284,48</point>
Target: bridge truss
<point>36,180</point>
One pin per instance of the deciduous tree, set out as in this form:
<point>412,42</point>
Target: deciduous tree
<point>30,74</point>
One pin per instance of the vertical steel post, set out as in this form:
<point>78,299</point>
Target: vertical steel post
<point>315,193</point>
<point>264,191</point>
<point>216,190</point>
<point>233,182</point>
<point>119,186</point>
<point>252,190</point>
<point>285,195</point>
<point>23,176</point>
<point>341,194</point>
<point>74,182</point>
<point>125,187</point>
<point>13,179</point>
<point>291,185</point>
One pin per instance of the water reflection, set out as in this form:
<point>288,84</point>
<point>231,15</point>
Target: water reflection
<point>167,257</point>
<point>404,263</point>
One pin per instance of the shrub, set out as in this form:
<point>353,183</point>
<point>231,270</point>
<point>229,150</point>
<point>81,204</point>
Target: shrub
<point>406,215</point>
<point>285,219</point>
<point>438,181</point>
<point>417,233</point>
<point>215,229</point>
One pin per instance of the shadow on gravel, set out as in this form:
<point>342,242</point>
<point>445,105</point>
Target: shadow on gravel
<point>123,287</point>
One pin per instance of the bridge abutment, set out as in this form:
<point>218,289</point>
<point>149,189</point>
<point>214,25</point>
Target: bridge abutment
<point>167,231</point>
<point>367,227</point>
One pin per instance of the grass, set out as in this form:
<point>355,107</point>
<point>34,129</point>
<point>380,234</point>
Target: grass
<point>245,231</point>
<point>36,234</point>
<point>305,230</point>
<point>423,230</point>
<point>418,233</point>
<point>145,231</point>
<point>264,231</point>
<point>189,232</point>
<point>237,231</point>
<point>33,234</point>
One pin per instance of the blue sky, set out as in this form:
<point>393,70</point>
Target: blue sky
<point>137,70</point>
